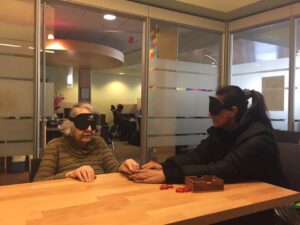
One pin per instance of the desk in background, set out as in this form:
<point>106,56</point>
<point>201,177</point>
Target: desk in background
<point>112,199</point>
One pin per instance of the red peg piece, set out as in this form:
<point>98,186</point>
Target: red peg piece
<point>186,189</point>
<point>183,189</point>
<point>170,186</point>
<point>163,187</point>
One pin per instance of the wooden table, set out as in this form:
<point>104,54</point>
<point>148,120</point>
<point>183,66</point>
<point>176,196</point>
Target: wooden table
<point>112,199</point>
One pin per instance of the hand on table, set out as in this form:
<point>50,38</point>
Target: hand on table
<point>152,165</point>
<point>83,173</point>
<point>129,166</point>
<point>149,176</point>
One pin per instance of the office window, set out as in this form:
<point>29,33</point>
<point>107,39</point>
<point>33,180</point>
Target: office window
<point>183,72</point>
<point>260,61</point>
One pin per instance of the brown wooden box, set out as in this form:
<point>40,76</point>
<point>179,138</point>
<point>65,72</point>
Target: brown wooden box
<point>204,183</point>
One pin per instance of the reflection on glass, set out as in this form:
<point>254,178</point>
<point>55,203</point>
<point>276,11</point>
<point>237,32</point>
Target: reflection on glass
<point>183,72</point>
<point>260,61</point>
<point>16,85</point>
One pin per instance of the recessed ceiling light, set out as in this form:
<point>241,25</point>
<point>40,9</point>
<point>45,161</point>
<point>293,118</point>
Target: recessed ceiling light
<point>109,17</point>
<point>50,36</point>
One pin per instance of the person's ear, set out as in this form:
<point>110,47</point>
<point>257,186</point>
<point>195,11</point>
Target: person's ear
<point>234,110</point>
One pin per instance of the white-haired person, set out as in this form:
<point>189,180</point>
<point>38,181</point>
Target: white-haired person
<point>79,153</point>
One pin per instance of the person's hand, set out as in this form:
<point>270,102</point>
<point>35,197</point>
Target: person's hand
<point>83,173</point>
<point>129,166</point>
<point>148,176</point>
<point>152,165</point>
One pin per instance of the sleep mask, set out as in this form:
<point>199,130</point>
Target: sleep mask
<point>215,106</point>
<point>84,120</point>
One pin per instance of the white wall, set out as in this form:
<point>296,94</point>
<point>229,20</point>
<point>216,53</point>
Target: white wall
<point>59,77</point>
<point>108,89</point>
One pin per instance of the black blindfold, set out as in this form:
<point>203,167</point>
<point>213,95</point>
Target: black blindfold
<point>84,120</point>
<point>215,106</point>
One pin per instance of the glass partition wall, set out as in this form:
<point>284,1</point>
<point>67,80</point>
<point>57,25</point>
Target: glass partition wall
<point>17,84</point>
<point>183,68</point>
<point>91,59</point>
<point>260,61</point>
<point>183,72</point>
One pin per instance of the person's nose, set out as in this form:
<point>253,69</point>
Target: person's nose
<point>89,128</point>
<point>209,114</point>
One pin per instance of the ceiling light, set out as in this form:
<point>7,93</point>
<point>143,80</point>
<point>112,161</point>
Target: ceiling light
<point>121,73</point>
<point>9,45</point>
<point>50,36</point>
<point>109,17</point>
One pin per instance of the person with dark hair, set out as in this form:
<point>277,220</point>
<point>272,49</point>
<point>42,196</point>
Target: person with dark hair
<point>240,147</point>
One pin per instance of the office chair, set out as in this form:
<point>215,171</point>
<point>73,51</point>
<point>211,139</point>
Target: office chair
<point>34,166</point>
<point>289,156</point>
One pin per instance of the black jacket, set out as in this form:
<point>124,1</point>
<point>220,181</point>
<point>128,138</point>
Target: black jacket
<point>233,155</point>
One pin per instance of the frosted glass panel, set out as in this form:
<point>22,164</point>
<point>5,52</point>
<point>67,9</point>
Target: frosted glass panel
<point>185,66</point>
<point>16,129</point>
<point>182,79</point>
<point>175,140</point>
<point>14,149</point>
<point>174,103</point>
<point>17,78</point>
<point>254,81</point>
<point>178,126</point>
<point>182,74</point>
<point>258,57</point>
<point>16,67</point>
<point>18,101</point>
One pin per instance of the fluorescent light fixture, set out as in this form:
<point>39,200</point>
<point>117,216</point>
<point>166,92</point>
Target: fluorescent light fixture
<point>10,45</point>
<point>49,51</point>
<point>109,17</point>
<point>121,73</point>
<point>70,77</point>
<point>50,36</point>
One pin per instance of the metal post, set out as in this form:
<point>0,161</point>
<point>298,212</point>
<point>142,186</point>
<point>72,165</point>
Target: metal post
<point>291,94</point>
<point>144,103</point>
<point>37,80</point>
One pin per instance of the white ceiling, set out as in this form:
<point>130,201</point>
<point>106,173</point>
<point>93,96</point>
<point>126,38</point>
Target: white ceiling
<point>224,10</point>
<point>222,6</point>
<point>86,25</point>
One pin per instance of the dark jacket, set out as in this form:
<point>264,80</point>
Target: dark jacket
<point>234,155</point>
